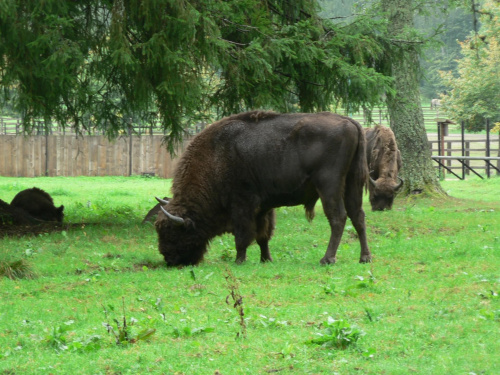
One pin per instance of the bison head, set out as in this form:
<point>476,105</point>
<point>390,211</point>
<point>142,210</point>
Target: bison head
<point>49,213</point>
<point>382,193</point>
<point>58,214</point>
<point>179,241</point>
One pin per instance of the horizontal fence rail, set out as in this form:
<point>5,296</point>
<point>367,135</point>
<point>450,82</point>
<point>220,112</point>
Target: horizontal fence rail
<point>12,125</point>
<point>465,153</point>
<point>466,166</point>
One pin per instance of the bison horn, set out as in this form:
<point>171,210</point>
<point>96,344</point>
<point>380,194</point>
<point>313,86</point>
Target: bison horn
<point>398,186</point>
<point>162,201</point>
<point>372,181</point>
<point>175,219</point>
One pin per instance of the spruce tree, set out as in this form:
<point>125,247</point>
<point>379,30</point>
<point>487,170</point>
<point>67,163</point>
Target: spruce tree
<point>101,64</point>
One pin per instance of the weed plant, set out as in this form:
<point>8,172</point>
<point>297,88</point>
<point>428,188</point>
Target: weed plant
<point>428,304</point>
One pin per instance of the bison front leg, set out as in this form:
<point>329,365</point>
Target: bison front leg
<point>244,235</point>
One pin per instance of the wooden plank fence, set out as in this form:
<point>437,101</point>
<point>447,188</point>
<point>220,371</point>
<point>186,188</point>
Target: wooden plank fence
<point>68,155</point>
<point>64,154</point>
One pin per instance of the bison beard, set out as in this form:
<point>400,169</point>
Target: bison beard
<point>384,163</point>
<point>235,172</point>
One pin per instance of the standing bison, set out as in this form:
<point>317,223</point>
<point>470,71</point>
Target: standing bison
<point>384,163</point>
<point>38,204</point>
<point>236,171</point>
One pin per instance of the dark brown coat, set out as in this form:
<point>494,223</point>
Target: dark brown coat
<point>235,172</point>
<point>38,204</point>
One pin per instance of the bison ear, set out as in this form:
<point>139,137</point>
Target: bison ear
<point>399,185</point>
<point>60,209</point>
<point>177,220</point>
<point>163,201</point>
<point>189,224</point>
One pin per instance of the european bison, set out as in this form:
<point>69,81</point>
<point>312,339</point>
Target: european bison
<point>384,163</point>
<point>38,204</point>
<point>236,171</point>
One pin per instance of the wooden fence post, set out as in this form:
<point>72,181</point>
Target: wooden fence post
<point>449,146</point>
<point>488,147</point>
<point>498,154</point>
<point>467,153</point>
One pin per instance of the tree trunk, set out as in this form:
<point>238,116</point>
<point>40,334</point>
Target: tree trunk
<point>405,111</point>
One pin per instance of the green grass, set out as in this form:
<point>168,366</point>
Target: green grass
<point>428,304</point>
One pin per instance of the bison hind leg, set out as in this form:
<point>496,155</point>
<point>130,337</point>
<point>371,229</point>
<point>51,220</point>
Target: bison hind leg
<point>265,225</point>
<point>353,204</point>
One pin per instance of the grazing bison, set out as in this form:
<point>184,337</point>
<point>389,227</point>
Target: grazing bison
<point>38,204</point>
<point>384,163</point>
<point>236,171</point>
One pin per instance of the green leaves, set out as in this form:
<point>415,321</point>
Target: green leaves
<point>337,334</point>
<point>475,90</point>
<point>95,65</point>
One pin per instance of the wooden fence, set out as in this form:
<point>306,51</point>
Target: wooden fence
<point>68,155</point>
<point>60,154</point>
<point>480,154</point>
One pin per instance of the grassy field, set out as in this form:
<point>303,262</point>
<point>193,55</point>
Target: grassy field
<point>428,304</point>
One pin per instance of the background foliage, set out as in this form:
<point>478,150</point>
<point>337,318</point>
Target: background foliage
<point>106,63</point>
<point>474,90</point>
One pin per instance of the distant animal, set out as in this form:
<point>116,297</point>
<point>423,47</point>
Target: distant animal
<point>153,213</point>
<point>435,103</point>
<point>38,204</point>
<point>384,163</point>
<point>236,171</point>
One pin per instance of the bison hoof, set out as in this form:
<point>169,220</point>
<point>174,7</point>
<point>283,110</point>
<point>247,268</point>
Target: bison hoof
<point>326,260</point>
<point>365,259</point>
<point>240,260</point>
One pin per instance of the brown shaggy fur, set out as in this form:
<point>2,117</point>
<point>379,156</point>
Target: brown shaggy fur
<point>236,171</point>
<point>384,163</point>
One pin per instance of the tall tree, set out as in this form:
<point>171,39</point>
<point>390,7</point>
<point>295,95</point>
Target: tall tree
<point>405,111</point>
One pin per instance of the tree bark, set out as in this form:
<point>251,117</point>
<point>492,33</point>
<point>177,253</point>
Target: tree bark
<point>405,111</point>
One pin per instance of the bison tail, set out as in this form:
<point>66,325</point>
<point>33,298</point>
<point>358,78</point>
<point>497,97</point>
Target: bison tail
<point>310,211</point>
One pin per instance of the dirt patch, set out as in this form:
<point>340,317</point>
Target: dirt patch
<point>15,230</point>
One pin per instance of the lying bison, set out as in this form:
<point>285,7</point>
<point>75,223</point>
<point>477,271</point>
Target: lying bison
<point>38,204</point>
<point>384,163</point>
<point>236,171</point>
